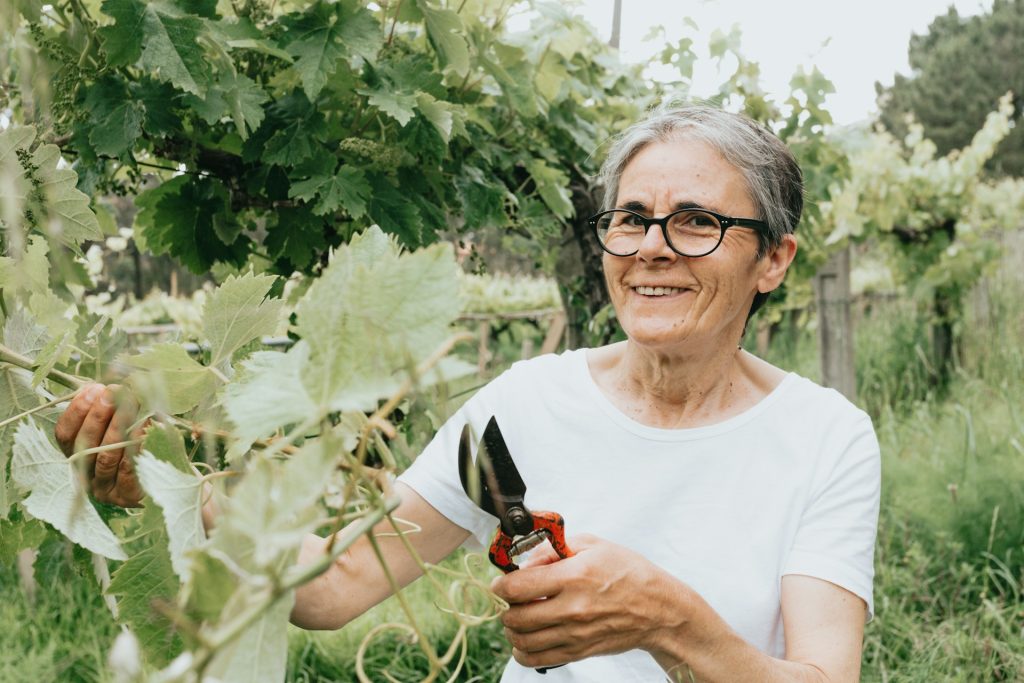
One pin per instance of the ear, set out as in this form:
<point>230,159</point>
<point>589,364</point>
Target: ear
<point>775,263</point>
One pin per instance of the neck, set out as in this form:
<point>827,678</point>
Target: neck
<point>676,389</point>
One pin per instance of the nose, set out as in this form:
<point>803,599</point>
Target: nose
<point>654,246</point>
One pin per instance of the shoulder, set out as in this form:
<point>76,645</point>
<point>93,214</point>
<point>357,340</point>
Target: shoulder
<point>812,403</point>
<point>550,367</point>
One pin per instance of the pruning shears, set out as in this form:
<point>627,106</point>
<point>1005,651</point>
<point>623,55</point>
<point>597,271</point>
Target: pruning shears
<point>494,483</point>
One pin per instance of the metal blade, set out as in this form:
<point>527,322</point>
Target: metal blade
<point>493,482</point>
<point>510,485</point>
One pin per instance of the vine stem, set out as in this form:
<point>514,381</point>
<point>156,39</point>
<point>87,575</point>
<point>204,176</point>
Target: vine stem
<point>44,406</point>
<point>292,580</point>
<point>12,357</point>
<point>78,455</point>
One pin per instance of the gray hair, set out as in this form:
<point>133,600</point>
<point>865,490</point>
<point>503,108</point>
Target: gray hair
<point>773,176</point>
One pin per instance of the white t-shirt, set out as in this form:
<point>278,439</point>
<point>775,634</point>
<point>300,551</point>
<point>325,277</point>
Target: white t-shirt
<point>790,486</point>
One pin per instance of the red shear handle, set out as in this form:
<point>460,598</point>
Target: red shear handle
<point>550,524</point>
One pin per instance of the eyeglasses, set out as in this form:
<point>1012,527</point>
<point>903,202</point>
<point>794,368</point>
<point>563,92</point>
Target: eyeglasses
<point>688,232</point>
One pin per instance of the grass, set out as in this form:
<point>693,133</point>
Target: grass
<point>949,585</point>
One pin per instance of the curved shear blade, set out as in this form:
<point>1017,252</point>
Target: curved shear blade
<point>492,482</point>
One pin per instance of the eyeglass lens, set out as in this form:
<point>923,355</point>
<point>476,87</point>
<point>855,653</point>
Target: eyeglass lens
<point>691,233</point>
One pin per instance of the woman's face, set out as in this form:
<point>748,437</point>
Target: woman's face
<point>703,301</point>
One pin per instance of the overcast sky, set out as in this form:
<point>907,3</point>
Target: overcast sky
<point>853,43</point>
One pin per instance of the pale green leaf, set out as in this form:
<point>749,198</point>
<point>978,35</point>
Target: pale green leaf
<point>552,186</point>
<point>274,507</point>
<point>16,536</point>
<point>448,36</point>
<point>267,394</point>
<point>180,497</point>
<point>56,492</point>
<point>168,379</point>
<point>28,272</point>
<point>260,654</point>
<point>399,106</point>
<point>373,315</point>
<point>144,584</point>
<point>239,312</point>
<point>438,113</point>
<point>166,443</point>
<point>71,219</point>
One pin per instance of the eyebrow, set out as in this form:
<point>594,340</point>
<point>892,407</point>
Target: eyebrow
<point>640,207</point>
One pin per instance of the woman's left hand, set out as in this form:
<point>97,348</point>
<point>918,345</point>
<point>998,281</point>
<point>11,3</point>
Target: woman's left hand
<point>603,600</point>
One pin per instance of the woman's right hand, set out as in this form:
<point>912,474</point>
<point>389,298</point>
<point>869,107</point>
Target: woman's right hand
<point>97,416</point>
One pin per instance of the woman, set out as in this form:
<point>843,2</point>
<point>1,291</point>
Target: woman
<point>722,511</point>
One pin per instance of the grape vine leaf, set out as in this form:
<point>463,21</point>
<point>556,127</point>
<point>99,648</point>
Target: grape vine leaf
<point>371,313</point>
<point>393,212</point>
<point>268,394</point>
<point>235,95</point>
<point>116,117</point>
<point>169,379</point>
<point>16,536</point>
<point>324,35</point>
<point>143,582</point>
<point>74,220</point>
<point>297,236</point>
<point>29,272</point>
<point>552,186</point>
<point>181,217</point>
<point>260,654</point>
<point>239,312</point>
<point>274,507</point>
<point>179,496</point>
<point>398,105</point>
<point>162,38</point>
<point>348,189</point>
<point>447,34</point>
<point>57,495</point>
<point>166,444</point>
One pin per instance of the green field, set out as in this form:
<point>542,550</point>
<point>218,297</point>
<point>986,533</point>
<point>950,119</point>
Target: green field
<point>950,556</point>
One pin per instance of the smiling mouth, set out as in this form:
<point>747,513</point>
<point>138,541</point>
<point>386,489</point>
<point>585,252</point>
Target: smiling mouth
<point>657,291</point>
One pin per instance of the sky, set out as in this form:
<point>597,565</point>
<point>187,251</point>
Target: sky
<point>854,44</point>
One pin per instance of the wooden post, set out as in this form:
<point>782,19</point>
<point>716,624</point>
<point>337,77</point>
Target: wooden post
<point>835,325</point>
<point>555,331</point>
<point>483,351</point>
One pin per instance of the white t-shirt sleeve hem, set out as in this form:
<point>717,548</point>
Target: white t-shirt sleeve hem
<point>818,567</point>
<point>426,484</point>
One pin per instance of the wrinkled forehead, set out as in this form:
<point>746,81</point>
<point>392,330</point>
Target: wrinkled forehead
<point>682,171</point>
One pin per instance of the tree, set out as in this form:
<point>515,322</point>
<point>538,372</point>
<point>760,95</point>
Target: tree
<point>959,67</point>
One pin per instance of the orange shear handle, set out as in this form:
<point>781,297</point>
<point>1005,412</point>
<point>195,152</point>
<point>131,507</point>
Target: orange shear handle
<point>549,524</point>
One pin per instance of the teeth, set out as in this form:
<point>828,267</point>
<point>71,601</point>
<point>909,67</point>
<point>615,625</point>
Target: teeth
<point>657,291</point>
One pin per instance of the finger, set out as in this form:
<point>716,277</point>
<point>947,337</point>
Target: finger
<point>535,616</point>
<point>540,556</point>
<point>108,463</point>
<point>539,641</point>
<point>70,421</point>
<point>94,427</point>
<point>546,658</point>
<point>531,583</point>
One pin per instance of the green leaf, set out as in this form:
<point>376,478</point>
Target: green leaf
<point>398,105</point>
<point>166,444</point>
<point>17,536</point>
<point>446,32</point>
<point>327,33</point>
<point>260,654</point>
<point>116,117</point>
<point>393,212</point>
<point>552,186</point>
<point>168,379</point>
<point>234,95</point>
<point>439,113</point>
<point>28,272</point>
<point>348,189</point>
<point>72,220</point>
<point>164,40</point>
<point>180,497</point>
<point>370,315</point>
<point>181,218</point>
<point>297,236</point>
<point>145,582</point>
<point>238,312</point>
<point>267,394</point>
<point>57,495</point>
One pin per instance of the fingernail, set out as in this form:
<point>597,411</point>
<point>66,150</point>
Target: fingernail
<point>92,392</point>
<point>107,398</point>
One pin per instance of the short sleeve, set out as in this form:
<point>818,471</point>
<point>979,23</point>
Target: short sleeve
<point>434,475</point>
<point>836,537</point>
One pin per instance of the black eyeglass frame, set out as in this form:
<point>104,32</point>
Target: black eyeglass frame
<point>725,222</point>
